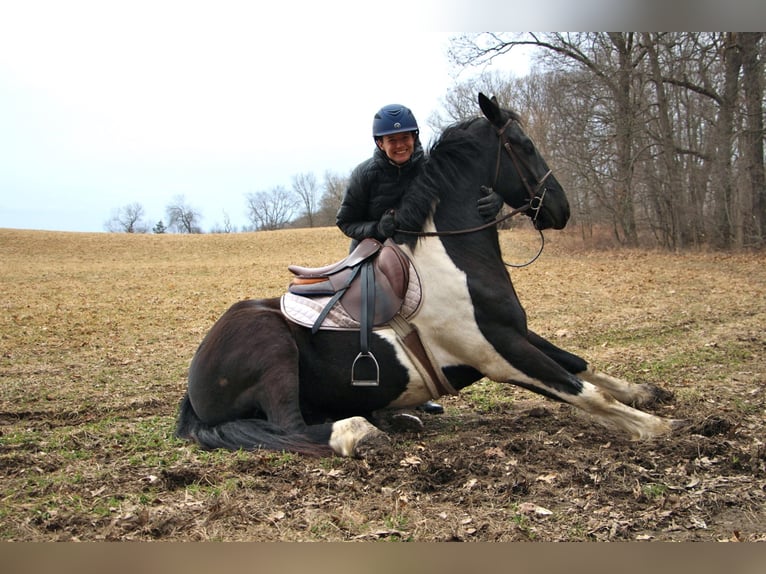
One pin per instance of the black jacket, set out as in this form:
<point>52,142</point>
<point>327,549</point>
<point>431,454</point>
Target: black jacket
<point>375,186</point>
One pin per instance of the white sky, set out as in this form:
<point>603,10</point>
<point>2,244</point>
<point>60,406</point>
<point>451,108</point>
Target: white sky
<point>103,104</point>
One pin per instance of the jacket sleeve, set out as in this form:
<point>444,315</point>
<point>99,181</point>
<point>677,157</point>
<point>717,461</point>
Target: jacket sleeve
<point>353,215</point>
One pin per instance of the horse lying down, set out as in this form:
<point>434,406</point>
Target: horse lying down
<point>262,378</point>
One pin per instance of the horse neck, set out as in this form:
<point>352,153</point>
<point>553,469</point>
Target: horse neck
<point>471,250</point>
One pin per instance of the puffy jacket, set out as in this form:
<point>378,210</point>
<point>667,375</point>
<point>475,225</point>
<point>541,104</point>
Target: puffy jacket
<point>375,186</point>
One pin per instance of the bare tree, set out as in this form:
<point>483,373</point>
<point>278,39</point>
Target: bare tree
<point>610,61</point>
<point>673,168</point>
<point>332,196</point>
<point>460,101</point>
<point>227,226</point>
<point>127,219</point>
<point>270,210</point>
<point>659,132</point>
<point>670,184</point>
<point>752,45</point>
<point>306,188</point>
<point>182,217</point>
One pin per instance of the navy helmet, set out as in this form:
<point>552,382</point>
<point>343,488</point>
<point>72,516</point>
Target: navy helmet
<point>393,119</point>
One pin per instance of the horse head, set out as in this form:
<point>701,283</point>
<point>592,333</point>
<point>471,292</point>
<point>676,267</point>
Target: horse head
<point>490,151</point>
<point>521,174</point>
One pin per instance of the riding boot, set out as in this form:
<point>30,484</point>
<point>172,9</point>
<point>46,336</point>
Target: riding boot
<point>431,408</point>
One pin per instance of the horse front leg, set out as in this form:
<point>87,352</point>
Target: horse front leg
<point>634,394</point>
<point>521,363</point>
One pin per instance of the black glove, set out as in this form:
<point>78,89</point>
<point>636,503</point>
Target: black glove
<point>387,224</point>
<point>489,205</point>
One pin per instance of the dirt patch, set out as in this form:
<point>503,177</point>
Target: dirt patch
<point>97,331</point>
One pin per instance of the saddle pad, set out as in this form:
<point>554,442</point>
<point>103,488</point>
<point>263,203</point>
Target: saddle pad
<point>305,310</point>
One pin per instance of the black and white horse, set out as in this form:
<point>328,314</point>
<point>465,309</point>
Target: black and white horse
<point>259,380</point>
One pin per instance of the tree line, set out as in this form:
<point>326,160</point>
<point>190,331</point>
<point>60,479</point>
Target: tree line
<point>656,136</point>
<point>307,203</point>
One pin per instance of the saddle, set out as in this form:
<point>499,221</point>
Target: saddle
<point>390,272</point>
<point>374,287</point>
<point>370,284</point>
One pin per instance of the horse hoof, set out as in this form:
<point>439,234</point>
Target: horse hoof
<point>648,395</point>
<point>397,421</point>
<point>405,422</point>
<point>356,437</point>
<point>657,395</point>
<point>373,445</point>
<point>711,426</point>
<point>431,408</point>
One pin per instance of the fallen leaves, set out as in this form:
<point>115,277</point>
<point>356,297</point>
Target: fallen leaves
<point>98,330</point>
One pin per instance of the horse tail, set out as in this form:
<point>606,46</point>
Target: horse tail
<point>247,434</point>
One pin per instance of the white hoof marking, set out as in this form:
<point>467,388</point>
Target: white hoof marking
<point>346,433</point>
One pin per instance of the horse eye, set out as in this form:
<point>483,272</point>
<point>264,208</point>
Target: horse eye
<point>522,140</point>
<point>523,143</point>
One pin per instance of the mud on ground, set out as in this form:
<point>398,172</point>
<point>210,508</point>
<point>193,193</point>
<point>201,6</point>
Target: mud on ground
<point>95,349</point>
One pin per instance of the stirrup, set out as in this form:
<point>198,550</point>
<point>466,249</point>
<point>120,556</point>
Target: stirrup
<point>365,382</point>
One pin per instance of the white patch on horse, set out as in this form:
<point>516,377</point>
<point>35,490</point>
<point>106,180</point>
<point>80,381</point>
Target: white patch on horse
<point>624,391</point>
<point>347,433</point>
<point>416,392</point>
<point>447,322</point>
<point>448,326</point>
<point>610,412</point>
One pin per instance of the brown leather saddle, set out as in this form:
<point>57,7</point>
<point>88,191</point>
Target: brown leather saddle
<point>370,284</point>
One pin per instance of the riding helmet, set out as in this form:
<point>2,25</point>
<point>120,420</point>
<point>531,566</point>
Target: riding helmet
<point>393,119</point>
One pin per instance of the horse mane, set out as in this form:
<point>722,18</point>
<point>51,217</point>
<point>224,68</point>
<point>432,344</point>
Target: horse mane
<point>449,166</point>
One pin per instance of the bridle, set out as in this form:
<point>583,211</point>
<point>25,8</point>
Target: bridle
<point>536,195</point>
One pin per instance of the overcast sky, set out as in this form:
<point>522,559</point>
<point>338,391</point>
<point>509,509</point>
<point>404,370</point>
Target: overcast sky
<point>102,106</point>
<point>106,103</point>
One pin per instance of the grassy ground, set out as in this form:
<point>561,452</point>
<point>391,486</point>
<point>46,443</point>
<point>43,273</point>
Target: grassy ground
<point>97,331</point>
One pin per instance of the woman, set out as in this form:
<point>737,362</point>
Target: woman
<point>377,185</point>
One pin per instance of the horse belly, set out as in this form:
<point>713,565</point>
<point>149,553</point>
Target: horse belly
<point>326,360</point>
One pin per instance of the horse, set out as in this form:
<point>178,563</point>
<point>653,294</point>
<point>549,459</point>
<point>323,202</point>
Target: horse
<point>259,380</point>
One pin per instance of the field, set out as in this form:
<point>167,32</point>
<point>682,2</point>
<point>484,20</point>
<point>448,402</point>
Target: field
<point>97,331</point>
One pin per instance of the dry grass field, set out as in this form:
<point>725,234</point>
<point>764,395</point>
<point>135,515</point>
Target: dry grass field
<point>97,331</point>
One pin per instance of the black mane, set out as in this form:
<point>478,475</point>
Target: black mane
<point>449,166</point>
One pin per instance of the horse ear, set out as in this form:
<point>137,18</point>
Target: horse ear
<point>490,109</point>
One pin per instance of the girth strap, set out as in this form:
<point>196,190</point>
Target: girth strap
<point>421,357</point>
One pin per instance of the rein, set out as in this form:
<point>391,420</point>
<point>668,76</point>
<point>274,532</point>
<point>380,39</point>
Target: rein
<point>492,223</point>
<point>530,205</point>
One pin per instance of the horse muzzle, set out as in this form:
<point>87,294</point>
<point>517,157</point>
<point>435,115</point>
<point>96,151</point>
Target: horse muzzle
<point>549,209</point>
